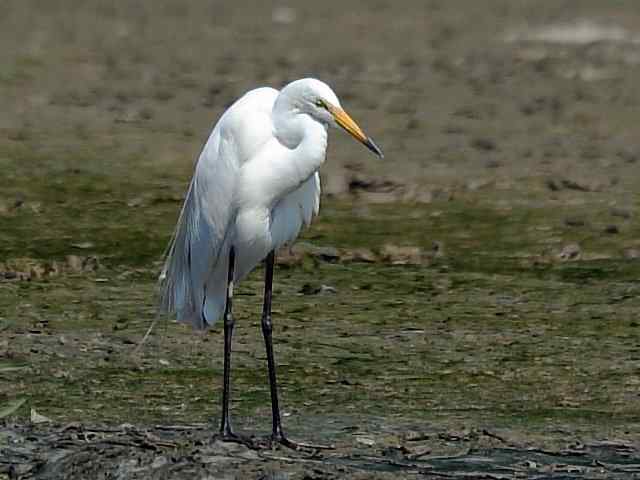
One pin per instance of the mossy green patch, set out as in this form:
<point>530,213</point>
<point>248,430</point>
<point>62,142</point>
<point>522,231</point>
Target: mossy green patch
<point>497,328</point>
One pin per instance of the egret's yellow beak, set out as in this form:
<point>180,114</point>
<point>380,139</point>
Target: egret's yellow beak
<point>346,122</point>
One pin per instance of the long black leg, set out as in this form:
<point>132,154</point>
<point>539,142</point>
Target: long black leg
<point>277,434</point>
<point>267,329</point>
<point>225,425</point>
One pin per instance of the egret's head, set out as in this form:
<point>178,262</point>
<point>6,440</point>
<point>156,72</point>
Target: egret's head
<point>316,99</point>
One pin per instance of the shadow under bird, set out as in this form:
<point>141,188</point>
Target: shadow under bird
<point>254,187</point>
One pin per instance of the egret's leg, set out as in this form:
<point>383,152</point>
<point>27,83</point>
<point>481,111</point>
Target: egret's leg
<point>267,329</point>
<point>225,425</point>
<point>277,434</point>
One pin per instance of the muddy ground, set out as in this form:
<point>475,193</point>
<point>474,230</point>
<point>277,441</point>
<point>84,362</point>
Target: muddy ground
<point>467,307</point>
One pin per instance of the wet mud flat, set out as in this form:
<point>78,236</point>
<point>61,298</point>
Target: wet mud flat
<point>188,451</point>
<point>474,296</point>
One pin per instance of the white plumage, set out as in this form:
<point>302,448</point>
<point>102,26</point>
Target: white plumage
<point>255,185</point>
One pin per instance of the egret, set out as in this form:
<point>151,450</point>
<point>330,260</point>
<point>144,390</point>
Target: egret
<point>255,185</point>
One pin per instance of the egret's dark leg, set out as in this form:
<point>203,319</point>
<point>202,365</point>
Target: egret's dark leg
<point>277,434</point>
<point>226,431</point>
<point>267,329</point>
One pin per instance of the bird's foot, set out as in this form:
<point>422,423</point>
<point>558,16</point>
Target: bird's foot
<point>228,435</point>
<point>280,439</point>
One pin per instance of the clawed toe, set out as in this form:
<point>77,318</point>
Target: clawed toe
<point>232,437</point>
<point>297,446</point>
<point>270,442</point>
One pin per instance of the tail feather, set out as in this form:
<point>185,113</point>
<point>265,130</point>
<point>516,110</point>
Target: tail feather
<point>215,297</point>
<point>183,278</point>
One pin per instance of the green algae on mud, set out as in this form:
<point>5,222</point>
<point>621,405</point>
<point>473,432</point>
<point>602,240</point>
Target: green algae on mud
<point>482,336</point>
<point>523,320</point>
<point>495,330</point>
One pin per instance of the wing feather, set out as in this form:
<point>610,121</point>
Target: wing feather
<point>193,280</point>
<point>295,211</point>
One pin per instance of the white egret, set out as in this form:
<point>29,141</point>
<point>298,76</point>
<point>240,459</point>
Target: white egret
<point>255,185</point>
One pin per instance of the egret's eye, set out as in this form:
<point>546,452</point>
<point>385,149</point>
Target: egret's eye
<point>320,103</point>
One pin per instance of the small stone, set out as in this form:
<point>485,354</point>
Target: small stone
<point>399,255</point>
<point>37,272</point>
<point>135,202</point>
<point>37,418</point>
<point>479,183</point>
<point>417,452</point>
<point>364,440</point>
<point>571,251</point>
<point>74,262</point>
<point>327,289</point>
<point>309,289</point>
<point>160,461</point>
<point>82,245</point>
<point>414,436</point>
<point>359,255</point>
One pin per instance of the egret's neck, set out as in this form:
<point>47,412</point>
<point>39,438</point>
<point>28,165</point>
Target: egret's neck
<point>292,127</point>
<point>305,142</point>
<point>295,154</point>
<point>286,124</point>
